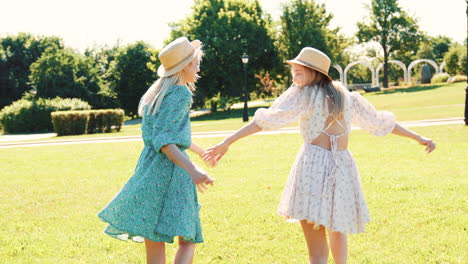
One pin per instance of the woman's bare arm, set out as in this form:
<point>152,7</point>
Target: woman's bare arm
<point>404,132</point>
<point>199,177</point>
<point>217,152</point>
<point>196,149</point>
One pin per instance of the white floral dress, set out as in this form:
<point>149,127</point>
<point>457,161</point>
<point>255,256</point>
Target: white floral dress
<point>323,185</point>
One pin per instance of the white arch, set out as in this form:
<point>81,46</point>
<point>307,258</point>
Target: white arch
<point>340,71</point>
<point>366,63</point>
<point>397,62</point>
<point>441,67</point>
<point>414,63</point>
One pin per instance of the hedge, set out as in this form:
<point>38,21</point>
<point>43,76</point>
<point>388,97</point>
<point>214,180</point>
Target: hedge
<point>91,121</point>
<point>70,122</point>
<point>104,120</point>
<point>24,115</point>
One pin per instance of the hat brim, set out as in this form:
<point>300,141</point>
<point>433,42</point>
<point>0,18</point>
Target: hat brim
<point>309,66</point>
<point>162,71</point>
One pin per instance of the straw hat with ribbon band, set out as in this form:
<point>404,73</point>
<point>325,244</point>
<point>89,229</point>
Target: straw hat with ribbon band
<point>176,55</point>
<point>314,59</point>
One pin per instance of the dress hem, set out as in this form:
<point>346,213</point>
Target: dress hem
<point>135,234</point>
<point>292,219</point>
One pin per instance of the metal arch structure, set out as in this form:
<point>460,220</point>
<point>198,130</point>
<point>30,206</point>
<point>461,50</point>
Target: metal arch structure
<point>363,62</point>
<point>416,62</point>
<point>340,71</point>
<point>397,62</point>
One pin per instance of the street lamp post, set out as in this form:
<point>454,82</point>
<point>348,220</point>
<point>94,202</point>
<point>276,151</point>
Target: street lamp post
<point>245,60</point>
<point>466,68</point>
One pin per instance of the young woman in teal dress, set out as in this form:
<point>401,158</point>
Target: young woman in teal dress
<point>159,202</point>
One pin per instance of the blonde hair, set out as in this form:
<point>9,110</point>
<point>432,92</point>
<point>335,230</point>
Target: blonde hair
<point>152,99</point>
<point>334,92</point>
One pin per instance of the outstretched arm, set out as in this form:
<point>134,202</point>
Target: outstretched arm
<point>214,154</point>
<point>200,151</point>
<point>196,149</point>
<point>401,131</point>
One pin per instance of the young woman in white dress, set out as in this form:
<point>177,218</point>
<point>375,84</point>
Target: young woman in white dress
<point>323,190</point>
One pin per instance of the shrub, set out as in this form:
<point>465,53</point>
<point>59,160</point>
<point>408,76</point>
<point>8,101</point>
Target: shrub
<point>97,121</point>
<point>25,115</point>
<point>70,122</point>
<point>440,78</point>
<point>105,120</point>
<point>457,78</point>
<point>455,59</point>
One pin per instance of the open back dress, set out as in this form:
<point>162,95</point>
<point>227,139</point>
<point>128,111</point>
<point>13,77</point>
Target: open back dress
<point>323,186</point>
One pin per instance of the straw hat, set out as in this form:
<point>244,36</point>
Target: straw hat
<point>176,55</point>
<point>314,59</point>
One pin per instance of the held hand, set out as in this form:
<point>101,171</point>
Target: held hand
<point>214,154</point>
<point>430,145</point>
<point>201,179</point>
<point>210,162</point>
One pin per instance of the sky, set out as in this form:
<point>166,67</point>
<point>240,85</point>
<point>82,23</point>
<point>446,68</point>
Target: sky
<point>87,23</point>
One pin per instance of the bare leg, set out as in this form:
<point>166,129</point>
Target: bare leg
<point>185,252</point>
<point>316,243</point>
<point>155,252</point>
<point>339,247</point>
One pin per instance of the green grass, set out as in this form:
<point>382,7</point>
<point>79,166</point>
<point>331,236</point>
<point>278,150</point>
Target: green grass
<point>50,197</point>
<point>422,102</point>
<point>416,103</point>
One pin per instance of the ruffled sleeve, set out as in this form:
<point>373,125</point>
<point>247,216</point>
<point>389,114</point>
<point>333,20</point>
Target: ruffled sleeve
<point>364,115</point>
<point>171,124</point>
<point>285,110</point>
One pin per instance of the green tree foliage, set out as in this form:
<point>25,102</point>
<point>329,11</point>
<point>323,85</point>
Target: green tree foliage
<point>392,28</point>
<point>104,59</point>
<point>304,23</point>
<point>441,45</point>
<point>17,53</point>
<point>433,48</point>
<point>66,74</point>
<point>4,81</point>
<point>455,59</point>
<point>228,28</point>
<point>132,74</point>
<point>426,51</point>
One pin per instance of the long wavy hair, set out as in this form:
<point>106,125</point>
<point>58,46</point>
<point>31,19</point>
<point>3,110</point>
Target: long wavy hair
<point>334,92</point>
<point>152,99</point>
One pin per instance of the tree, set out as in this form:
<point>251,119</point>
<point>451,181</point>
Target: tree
<point>426,51</point>
<point>228,28</point>
<point>104,59</point>
<point>132,74</point>
<point>455,59</point>
<point>306,24</point>
<point>392,28</point>
<point>19,52</point>
<point>66,74</point>
<point>4,81</point>
<point>441,45</point>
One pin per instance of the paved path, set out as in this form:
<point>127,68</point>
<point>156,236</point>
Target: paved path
<point>288,130</point>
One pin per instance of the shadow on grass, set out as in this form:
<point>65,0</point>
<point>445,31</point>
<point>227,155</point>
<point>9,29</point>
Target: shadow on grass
<point>412,89</point>
<point>219,115</point>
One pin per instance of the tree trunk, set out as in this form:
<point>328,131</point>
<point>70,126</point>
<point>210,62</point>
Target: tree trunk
<point>385,71</point>
<point>214,106</point>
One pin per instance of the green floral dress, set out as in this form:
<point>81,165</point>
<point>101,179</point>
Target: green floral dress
<point>160,200</point>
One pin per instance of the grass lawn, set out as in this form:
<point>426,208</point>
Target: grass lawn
<point>50,197</point>
<point>417,103</point>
